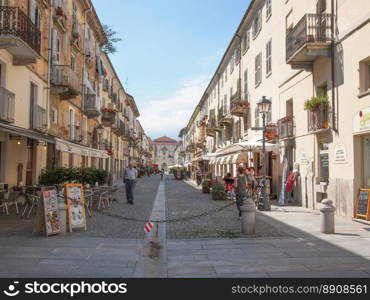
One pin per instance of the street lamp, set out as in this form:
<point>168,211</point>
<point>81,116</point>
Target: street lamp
<point>264,107</point>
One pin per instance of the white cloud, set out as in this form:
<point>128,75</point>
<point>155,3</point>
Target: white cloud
<point>167,116</point>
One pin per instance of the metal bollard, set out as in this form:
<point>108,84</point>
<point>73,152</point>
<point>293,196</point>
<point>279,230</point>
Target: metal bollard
<point>248,210</point>
<point>327,211</point>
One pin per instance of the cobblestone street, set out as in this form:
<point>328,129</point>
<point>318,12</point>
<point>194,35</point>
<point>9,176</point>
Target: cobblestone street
<point>184,200</point>
<point>288,242</point>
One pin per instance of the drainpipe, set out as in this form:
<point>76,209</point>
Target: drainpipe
<point>49,74</point>
<point>333,65</point>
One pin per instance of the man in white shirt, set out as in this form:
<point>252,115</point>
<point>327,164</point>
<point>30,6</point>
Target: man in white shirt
<point>129,179</point>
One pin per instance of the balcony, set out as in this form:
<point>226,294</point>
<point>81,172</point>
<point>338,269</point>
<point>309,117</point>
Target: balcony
<point>238,107</point>
<point>19,36</point>
<point>119,128</point>
<point>286,127</point>
<point>7,106</point>
<point>212,128</point>
<point>308,40</point>
<point>224,117</point>
<point>92,106</point>
<point>108,117</point>
<point>39,119</point>
<point>64,82</point>
<point>319,118</point>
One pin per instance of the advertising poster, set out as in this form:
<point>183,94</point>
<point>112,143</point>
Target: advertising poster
<point>76,206</point>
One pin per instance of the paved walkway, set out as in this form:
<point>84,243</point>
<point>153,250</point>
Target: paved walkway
<point>301,251</point>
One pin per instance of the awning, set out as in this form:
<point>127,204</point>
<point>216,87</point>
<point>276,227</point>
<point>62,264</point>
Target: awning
<point>68,147</point>
<point>19,131</point>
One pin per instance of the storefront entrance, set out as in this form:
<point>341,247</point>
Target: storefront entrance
<point>366,161</point>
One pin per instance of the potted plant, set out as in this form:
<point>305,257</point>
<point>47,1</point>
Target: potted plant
<point>316,102</point>
<point>206,186</point>
<point>218,192</point>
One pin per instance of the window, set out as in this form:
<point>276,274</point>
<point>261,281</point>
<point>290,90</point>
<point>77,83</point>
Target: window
<point>268,9</point>
<point>324,162</point>
<point>258,69</point>
<point>246,84</point>
<point>54,116</point>
<point>365,75</point>
<point>226,75</point>
<point>56,47</point>
<point>289,22</point>
<point>237,54</point>
<point>232,63</point>
<point>72,127</point>
<point>257,24</point>
<point>84,130</point>
<point>320,6</point>
<point>34,13</point>
<point>256,117</point>
<point>268,57</point>
<point>73,62</point>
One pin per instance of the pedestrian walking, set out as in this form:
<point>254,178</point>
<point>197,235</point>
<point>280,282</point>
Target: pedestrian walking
<point>129,179</point>
<point>229,184</point>
<point>162,174</point>
<point>240,189</point>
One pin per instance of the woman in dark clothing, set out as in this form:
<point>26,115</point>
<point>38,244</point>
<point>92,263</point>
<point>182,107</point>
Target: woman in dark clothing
<point>241,186</point>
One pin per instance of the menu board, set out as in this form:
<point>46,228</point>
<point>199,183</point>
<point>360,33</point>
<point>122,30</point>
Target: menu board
<point>51,212</point>
<point>363,205</point>
<point>76,206</point>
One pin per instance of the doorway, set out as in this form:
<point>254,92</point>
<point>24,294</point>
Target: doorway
<point>366,162</point>
<point>30,161</point>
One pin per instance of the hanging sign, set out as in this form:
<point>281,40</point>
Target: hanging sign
<point>76,206</point>
<point>340,154</point>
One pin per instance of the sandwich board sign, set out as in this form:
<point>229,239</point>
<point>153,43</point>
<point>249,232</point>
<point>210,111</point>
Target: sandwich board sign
<point>76,206</point>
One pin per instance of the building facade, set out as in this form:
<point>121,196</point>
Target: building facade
<point>61,101</point>
<point>310,59</point>
<point>164,152</point>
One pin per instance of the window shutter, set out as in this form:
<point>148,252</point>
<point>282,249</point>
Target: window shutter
<point>54,46</point>
<point>32,10</point>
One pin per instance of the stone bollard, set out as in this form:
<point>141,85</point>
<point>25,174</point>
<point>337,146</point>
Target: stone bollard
<point>248,210</point>
<point>62,216</point>
<point>327,211</point>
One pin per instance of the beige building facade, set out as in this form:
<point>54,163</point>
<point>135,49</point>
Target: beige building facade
<point>61,100</point>
<point>291,52</point>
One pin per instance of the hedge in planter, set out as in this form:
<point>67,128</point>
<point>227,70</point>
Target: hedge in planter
<point>218,192</point>
<point>206,186</point>
<point>81,175</point>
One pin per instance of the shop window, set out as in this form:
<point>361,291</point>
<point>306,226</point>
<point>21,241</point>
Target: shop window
<point>324,162</point>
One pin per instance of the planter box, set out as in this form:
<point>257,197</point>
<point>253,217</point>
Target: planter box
<point>218,196</point>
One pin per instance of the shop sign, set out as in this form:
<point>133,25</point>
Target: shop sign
<point>76,206</point>
<point>361,121</point>
<point>304,159</point>
<point>340,154</point>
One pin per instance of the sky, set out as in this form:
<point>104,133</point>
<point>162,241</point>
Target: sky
<point>169,52</point>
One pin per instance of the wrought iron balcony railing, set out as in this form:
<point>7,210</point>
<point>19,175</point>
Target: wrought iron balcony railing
<point>286,127</point>
<point>312,29</point>
<point>92,105</point>
<point>319,118</point>
<point>65,81</point>
<point>7,105</point>
<point>16,26</point>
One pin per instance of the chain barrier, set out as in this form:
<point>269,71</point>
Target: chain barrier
<point>169,220</point>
